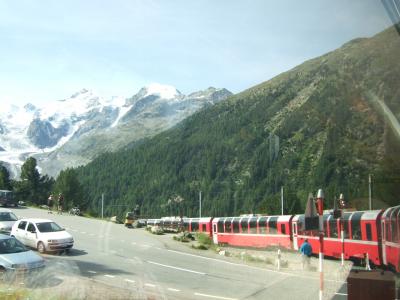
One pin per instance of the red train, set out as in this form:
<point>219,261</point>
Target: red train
<point>357,234</point>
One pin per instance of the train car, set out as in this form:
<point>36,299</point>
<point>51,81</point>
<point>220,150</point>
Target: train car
<point>171,223</point>
<point>153,222</point>
<point>198,225</point>
<point>390,228</point>
<point>255,231</point>
<point>361,235</point>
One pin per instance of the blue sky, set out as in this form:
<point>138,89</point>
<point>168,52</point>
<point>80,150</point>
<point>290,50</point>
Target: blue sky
<point>50,49</point>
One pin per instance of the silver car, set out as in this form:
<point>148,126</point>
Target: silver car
<point>7,220</point>
<point>16,258</point>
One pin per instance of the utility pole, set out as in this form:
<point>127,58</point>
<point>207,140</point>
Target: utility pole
<point>370,191</point>
<point>320,205</point>
<point>282,200</point>
<point>200,204</point>
<point>102,205</point>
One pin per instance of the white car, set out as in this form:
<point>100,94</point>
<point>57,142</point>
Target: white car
<point>44,235</point>
<point>7,220</point>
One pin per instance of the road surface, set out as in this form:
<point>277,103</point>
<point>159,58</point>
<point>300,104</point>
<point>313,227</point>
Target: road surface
<point>147,267</point>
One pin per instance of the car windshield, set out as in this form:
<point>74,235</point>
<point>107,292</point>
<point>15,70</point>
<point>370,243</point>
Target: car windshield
<point>11,245</point>
<point>48,227</point>
<point>7,216</point>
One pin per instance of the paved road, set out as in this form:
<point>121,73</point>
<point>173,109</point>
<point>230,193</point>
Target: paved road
<point>135,260</point>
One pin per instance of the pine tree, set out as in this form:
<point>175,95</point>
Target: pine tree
<point>5,183</point>
<point>68,185</point>
<point>28,188</point>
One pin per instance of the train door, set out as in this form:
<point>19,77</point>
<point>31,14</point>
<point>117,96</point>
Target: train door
<point>294,230</point>
<point>214,230</point>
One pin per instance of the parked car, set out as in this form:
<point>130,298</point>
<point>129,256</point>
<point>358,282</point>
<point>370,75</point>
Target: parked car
<point>7,220</point>
<point>43,235</point>
<point>15,257</point>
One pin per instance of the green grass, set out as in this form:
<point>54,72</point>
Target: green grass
<point>203,239</point>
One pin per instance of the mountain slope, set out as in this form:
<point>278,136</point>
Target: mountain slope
<point>71,132</point>
<point>319,125</point>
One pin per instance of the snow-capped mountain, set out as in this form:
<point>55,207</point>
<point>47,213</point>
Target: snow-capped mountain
<point>72,131</point>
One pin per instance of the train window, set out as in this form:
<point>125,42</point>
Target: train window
<point>356,226</point>
<point>283,228</point>
<point>394,226</point>
<point>195,225</point>
<point>398,226</point>
<point>333,232</point>
<point>394,233</point>
<point>325,219</point>
<point>235,225</point>
<point>300,224</point>
<point>186,224</point>
<point>368,231</point>
<point>228,225</point>
<point>272,224</point>
<point>346,229</point>
<point>262,225</point>
<point>253,225</point>
<point>388,235</point>
<point>244,224</point>
<point>220,225</point>
<point>346,225</point>
<point>203,227</point>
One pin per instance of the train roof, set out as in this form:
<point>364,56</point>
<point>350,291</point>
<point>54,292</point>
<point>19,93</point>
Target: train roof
<point>207,219</point>
<point>365,214</point>
<point>390,210</point>
<point>281,218</point>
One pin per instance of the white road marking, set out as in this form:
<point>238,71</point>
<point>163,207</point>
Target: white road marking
<point>341,294</point>
<point>123,241</point>
<point>215,297</point>
<point>93,272</point>
<point>256,268</point>
<point>109,276</point>
<point>59,263</point>
<point>150,285</point>
<point>133,243</point>
<point>83,232</point>
<point>176,268</point>
<point>130,281</point>
<point>173,290</point>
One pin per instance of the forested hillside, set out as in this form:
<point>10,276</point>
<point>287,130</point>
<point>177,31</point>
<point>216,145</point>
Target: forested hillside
<point>319,125</point>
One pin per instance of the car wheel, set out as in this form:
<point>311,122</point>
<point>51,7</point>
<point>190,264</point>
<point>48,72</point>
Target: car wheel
<point>40,247</point>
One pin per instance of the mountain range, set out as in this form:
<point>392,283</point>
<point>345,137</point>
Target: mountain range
<point>327,123</point>
<point>72,131</point>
